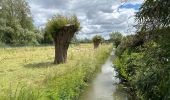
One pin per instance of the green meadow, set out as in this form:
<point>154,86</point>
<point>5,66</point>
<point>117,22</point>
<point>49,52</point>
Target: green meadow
<point>29,72</point>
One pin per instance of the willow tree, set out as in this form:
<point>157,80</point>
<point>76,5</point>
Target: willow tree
<point>96,41</point>
<point>62,28</point>
<point>116,37</point>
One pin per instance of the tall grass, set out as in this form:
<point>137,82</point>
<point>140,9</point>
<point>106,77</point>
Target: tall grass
<point>28,73</point>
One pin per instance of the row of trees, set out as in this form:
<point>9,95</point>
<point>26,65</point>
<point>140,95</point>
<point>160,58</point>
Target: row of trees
<point>143,59</point>
<point>115,38</point>
<point>63,29</point>
<point>17,28</point>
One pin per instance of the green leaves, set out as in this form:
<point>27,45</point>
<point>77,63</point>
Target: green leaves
<point>59,21</point>
<point>16,24</point>
<point>97,38</point>
<point>146,67</point>
<point>152,76</point>
<point>116,37</point>
<point>154,14</point>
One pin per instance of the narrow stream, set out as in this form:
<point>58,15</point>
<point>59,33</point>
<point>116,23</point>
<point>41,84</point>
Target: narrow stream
<point>106,85</point>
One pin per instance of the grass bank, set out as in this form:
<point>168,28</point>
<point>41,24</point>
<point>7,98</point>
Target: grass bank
<point>27,73</point>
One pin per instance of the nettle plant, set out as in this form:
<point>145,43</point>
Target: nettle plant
<point>62,28</point>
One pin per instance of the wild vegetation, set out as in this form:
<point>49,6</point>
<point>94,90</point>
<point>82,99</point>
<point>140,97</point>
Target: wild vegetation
<point>27,73</point>
<point>31,75</point>
<point>143,59</point>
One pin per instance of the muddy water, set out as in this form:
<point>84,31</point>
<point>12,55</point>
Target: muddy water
<point>106,85</point>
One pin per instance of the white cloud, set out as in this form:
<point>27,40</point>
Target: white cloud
<point>96,16</point>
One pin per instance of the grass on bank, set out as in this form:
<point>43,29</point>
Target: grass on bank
<point>28,73</point>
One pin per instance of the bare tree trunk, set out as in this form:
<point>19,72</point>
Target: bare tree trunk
<point>60,53</point>
<point>62,41</point>
<point>59,57</point>
<point>96,44</point>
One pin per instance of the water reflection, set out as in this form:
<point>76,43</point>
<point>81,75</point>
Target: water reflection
<point>106,85</point>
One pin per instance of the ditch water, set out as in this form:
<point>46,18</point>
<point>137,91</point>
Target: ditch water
<point>106,85</point>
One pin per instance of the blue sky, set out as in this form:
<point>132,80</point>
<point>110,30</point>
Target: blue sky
<point>96,16</point>
<point>131,6</point>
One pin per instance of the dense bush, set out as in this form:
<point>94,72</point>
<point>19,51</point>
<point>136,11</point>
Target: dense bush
<point>19,37</point>
<point>153,81</point>
<point>7,34</point>
<point>26,37</point>
<point>146,67</point>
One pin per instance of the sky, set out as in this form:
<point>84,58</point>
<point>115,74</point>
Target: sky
<point>97,17</point>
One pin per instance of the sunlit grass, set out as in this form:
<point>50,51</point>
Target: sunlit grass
<point>33,67</point>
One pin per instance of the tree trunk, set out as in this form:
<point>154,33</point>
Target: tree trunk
<point>96,44</point>
<point>62,40</point>
<point>59,54</point>
<point>61,48</point>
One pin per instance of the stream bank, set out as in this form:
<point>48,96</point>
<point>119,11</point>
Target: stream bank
<point>106,85</point>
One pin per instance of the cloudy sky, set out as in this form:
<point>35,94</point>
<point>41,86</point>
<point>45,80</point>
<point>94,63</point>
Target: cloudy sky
<point>96,16</point>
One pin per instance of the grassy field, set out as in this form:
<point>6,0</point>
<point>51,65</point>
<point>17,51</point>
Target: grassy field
<point>28,73</point>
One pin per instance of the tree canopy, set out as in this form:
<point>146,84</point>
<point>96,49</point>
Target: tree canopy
<point>16,23</point>
<point>97,38</point>
<point>59,21</point>
<point>116,37</point>
<point>154,14</point>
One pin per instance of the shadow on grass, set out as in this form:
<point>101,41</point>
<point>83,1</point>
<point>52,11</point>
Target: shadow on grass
<point>39,65</point>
